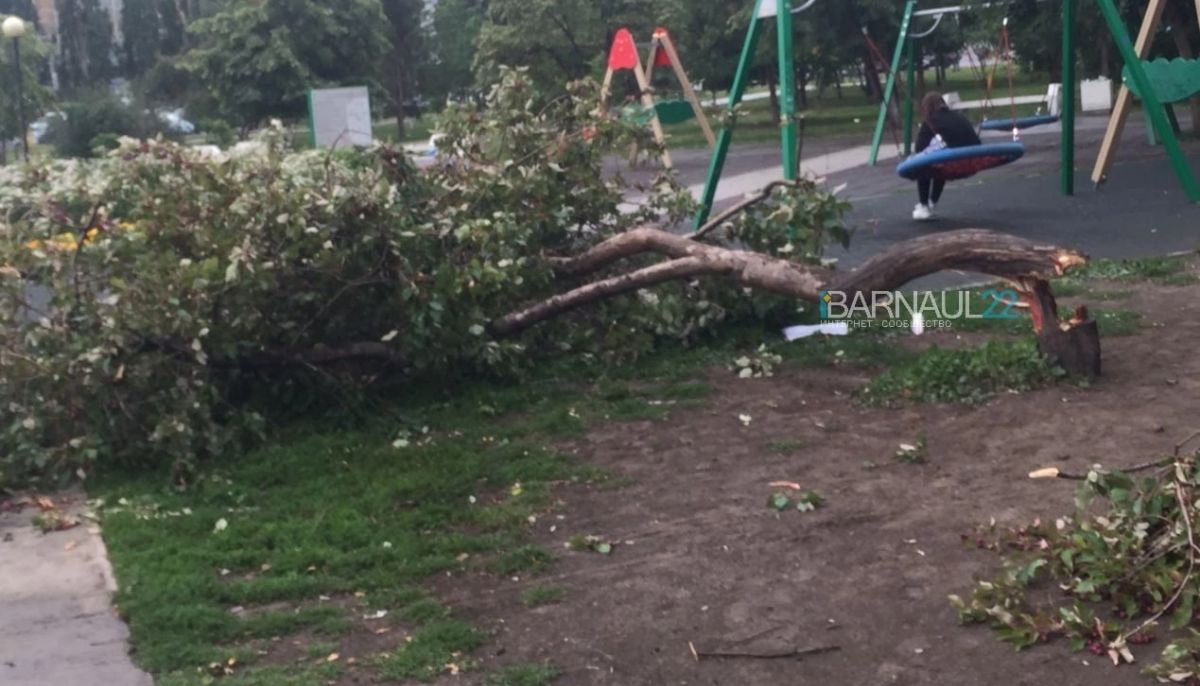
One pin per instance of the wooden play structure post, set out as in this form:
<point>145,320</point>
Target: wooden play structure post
<point>1120,113</point>
<point>782,12</point>
<point>1159,118</point>
<point>662,45</point>
<point>1150,100</point>
<point>623,55</point>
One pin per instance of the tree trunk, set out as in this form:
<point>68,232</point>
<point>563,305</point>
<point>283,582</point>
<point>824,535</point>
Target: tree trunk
<point>837,81</point>
<point>874,87</point>
<point>802,91</point>
<point>772,91</point>
<point>1023,263</point>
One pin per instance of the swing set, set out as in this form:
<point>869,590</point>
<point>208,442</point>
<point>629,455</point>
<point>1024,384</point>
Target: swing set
<point>623,55</point>
<point>1156,83</point>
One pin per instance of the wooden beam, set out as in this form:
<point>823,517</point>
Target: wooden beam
<point>1116,122</point>
<point>663,39</point>
<point>648,103</point>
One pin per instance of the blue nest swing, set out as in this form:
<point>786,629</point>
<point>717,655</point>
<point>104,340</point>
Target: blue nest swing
<point>949,164</point>
<point>1018,123</point>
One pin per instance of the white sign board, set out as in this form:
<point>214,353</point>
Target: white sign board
<point>1096,95</point>
<point>340,117</point>
<point>768,8</point>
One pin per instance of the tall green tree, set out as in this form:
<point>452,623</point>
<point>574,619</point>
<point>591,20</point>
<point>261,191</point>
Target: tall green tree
<point>22,8</point>
<point>257,59</point>
<point>559,40</point>
<point>141,29</point>
<point>405,18</point>
<point>456,27</point>
<point>34,53</point>
<point>85,43</point>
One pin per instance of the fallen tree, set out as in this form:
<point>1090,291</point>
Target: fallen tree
<point>160,307</point>
<point>1024,264</point>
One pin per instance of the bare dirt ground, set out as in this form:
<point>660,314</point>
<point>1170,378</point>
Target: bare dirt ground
<point>702,559</point>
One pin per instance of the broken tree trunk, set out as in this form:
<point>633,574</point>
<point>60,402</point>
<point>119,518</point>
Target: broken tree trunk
<point>1024,263</point>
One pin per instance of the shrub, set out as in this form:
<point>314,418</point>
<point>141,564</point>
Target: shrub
<point>97,123</point>
<point>186,298</point>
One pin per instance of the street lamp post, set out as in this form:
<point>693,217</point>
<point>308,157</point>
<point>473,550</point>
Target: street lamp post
<point>14,27</point>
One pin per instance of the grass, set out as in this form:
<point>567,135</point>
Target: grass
<point>786,447</point>
<point>1140,269</point>
<point>302,538</point>
<point>853,115</point>
<point>543,595</point>
<point>524,675</point>
<point>962,375</point>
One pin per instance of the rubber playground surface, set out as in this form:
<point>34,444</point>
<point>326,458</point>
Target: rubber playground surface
<point>1140,211</point>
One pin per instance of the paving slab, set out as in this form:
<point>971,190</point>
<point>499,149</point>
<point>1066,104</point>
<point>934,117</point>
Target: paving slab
<point>57,623</point>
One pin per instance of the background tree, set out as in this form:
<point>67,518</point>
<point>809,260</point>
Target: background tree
<point>141,31</point>
<point>34,53</point>
<point>456,26</point>
<point>85,43</point>
<point>405,18</point>
<point>258,60</point>
<point>559,40</point>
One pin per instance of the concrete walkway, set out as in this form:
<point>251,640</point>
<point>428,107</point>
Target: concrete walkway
<point>57,624</point>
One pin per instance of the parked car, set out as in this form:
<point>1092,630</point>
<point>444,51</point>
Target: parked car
<point>175,123</point>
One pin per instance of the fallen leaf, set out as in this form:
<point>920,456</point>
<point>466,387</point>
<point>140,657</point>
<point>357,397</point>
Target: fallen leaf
<point>70,545</point>
<point>333,657</point>
<point>220,526</point>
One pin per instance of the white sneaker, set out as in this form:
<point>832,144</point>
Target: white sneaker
<point>922,213</point>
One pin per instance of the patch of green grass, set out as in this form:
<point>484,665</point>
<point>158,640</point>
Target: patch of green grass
<point>524,675</point>
<point>543,595</point>
<point>432,647</point>
<point>1140,269</point>
<point>1104,295</point>
<point>424,611</point>
<point>317,513</point>
<point>527,558</point>
<point>1118,322</point>
<point>827,115</point>
<point>786,447</point>
<point>320,649</point>
<point>963,375</point>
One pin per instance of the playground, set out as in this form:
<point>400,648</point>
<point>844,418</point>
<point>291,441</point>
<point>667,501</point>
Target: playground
<point>495,417</point>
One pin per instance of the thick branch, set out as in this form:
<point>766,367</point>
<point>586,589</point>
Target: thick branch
<point>970,250</point>
<point>683,268</point>
<point>750,269</point>
<point>975,250</point>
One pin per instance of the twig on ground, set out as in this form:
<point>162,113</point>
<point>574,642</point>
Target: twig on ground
<point>1056,473</point>
<point>768,655</point>
<point>1184,504</point>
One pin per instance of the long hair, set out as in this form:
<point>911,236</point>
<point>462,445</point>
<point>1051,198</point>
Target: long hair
<point>932,102</point>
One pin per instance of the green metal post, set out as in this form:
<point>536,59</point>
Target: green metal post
<point>890,88</point>
<point>1153,107</point>
<point>717,163</point>
<point>787,90</point>
<point>1067,161</point>
<point>910,91</point>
